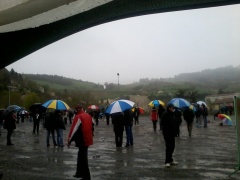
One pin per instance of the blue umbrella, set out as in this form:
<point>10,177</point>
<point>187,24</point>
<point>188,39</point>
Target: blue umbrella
<point>119,106</point>
<point>179,102</point>
<point>10,109</point>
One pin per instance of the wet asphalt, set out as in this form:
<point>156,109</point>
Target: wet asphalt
<point>211,153</point>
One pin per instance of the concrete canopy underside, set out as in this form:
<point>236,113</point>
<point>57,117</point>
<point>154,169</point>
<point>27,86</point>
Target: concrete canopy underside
<point>18,44</point>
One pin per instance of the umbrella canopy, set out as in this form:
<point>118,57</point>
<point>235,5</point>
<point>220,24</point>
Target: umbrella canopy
<point>13,107</point>
<point>10,109</point>
<point>23,112</point>
<point>37,106</point>
<point>56,104</point>
<point>119,106</point>
<point>201,102</point>
<point>93,107</point>
<point>156,103</point>
<point>179,102</point>
<point>225,119</point>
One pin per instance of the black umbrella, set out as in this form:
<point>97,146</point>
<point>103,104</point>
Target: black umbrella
<point>37,106</point>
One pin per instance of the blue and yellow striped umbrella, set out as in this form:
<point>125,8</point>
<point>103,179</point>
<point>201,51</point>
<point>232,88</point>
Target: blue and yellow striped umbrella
<point>156,103</point>
<point>56,104</point>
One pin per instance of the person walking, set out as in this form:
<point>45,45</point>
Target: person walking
<point>65,116</point>
<point>188,116</point>
<point>204,115</point>
<point>161,110</point>
<point>168,127</point>
<point>136,116</point>
<point>178,117</point>
<point>50,125</point>
<point>60,126</point>
<point>118,128</point>
<point>81,132</point>
<point>128,122</point>
<point>10,124</point>
<point>154,118</point>
<point>36,121</point>
<point>198,113</point>
<point>70,116</point>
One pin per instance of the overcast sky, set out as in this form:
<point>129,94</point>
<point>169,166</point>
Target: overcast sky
<point>152,46</point>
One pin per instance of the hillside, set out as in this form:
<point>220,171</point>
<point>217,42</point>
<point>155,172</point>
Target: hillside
<point>31,88</point>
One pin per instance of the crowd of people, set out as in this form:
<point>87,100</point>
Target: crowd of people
<point>82,128</point>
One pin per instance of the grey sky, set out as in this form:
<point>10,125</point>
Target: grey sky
<point>151,46</point>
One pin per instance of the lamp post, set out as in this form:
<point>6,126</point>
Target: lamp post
<point>118,82</point>
<point>9,97</point>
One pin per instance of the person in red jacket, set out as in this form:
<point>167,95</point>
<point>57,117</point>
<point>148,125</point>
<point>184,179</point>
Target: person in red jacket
<point>82,133</point>
<point>154,118</point>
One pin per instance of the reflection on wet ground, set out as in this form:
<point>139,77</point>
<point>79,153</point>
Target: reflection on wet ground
<point>211,153</point>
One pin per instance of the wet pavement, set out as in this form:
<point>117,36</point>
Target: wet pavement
<point>211,153</point>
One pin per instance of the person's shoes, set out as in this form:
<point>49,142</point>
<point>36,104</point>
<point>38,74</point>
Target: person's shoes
<point>48,145</point>
<point>127,145</point>
<point>167,165</point>
<point>10,144</point>
<point>77,176</point>
<point>174,163</point>
<point>61,145</point>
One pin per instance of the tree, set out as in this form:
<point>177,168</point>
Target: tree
<point>30,99</point>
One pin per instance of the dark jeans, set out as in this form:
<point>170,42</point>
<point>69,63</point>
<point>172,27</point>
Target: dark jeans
<point>51,132</point>
<point>36,125</point>
<point>82,163</point>
<point>129,135</point>
<point>170,146</point>
<point>118,138</point>
<point>9,134</point>
<point>136,122</point>
<point>154,125</point>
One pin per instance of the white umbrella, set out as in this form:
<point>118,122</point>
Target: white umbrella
<point>201,102</point>
<point>119,106</point>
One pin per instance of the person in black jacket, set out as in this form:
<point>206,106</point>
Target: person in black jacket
<point>10,124</point>
<point>168,126</point>
<point>128,122</point>
<point>118,127</point>
<point>188,116</point>
<point>50,125</point>
<point>161,110</point>
<point>178,117</point>
<point>60,126</point>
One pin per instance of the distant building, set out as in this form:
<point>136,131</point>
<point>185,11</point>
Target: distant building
<point>215,101</point>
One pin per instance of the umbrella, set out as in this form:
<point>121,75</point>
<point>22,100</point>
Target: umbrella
<point>179,102</point>
<point>56,104</point>
<point>119,106</point>
<point>10,109</point>
<point>225,119</point>
<point>201,102</point>
<point>93,107</point>
<point>13,107</point>
<point>38,106</point>
<point>156,103</point>
<point>23,112</point>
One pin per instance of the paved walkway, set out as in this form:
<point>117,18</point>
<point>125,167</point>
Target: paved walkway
<point>211,153</point>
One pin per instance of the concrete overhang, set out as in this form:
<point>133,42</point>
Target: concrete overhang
<point>29,25</point>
